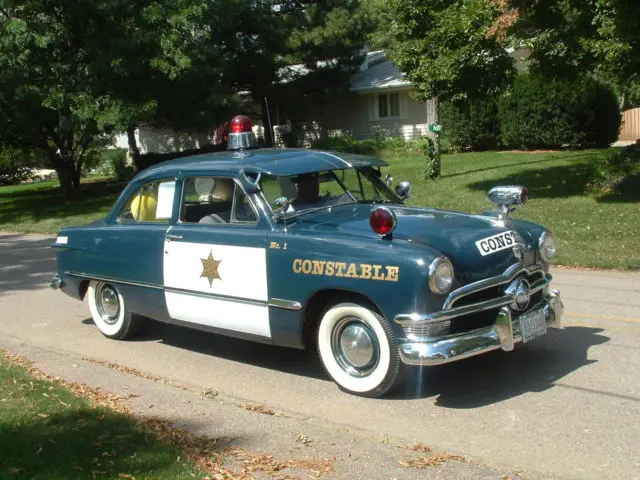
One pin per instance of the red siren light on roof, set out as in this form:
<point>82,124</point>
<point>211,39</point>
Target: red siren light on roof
<point>241,135</point>
<point>240,124</point>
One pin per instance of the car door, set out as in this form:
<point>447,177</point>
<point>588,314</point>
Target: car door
<point>215,269</point>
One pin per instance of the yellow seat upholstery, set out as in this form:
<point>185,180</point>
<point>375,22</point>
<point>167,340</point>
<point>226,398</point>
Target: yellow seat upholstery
<point>143,207</point>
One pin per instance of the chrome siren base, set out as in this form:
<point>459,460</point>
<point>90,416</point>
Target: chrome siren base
<point>503,334</point>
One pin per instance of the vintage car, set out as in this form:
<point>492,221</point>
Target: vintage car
<point>298,247</point>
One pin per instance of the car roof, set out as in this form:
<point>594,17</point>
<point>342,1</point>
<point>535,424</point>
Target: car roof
<point>273,161</point>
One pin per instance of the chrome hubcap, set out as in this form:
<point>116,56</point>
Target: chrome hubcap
<point>108,303</point>
<point>355,347</point>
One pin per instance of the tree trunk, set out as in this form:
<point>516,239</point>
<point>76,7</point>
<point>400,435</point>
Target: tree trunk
<point>75,178</point>
<point>133,145</point>
<point>68,172</point>
<point>65,177</point>
<point>433,117</point>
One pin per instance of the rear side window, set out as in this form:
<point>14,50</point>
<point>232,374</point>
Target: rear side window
<point>153,202</point>
<point>215,200</point>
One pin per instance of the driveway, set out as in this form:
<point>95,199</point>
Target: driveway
<point>566,405</point>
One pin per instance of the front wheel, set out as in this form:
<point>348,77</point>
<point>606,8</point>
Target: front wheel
<point>358,350</point>
<point>109,312</point>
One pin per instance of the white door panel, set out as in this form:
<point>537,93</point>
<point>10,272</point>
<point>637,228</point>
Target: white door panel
<point>217,269</point>
<point>219,313</point>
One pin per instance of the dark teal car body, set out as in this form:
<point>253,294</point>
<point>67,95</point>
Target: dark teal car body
<point>370,301</point>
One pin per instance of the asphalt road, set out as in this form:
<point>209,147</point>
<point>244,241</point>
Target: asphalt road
<point>566,405</point>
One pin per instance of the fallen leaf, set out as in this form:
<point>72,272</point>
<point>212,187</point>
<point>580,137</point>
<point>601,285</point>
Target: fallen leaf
<point>256,407</point>
<point>424,462</point>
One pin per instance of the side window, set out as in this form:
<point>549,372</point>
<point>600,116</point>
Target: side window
<point>215,200</point>
<point>153,202</point>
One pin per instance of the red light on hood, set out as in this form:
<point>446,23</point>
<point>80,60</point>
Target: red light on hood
<point>240,124</point>
<point>383,221</point>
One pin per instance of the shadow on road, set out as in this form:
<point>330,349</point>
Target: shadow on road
<point>470,383</point>
<point>498,376</point>
<point>26,263</point>
<point>288,360</point>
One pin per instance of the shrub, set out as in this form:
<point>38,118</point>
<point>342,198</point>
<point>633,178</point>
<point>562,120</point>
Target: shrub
<point>373,146</point>
<point>347,144</point>
<point>473,125</point>
<point>113,162</point>
<point>432,166</point>
<point>16,165</point>
<point>625,161</point>
<point>538,112</point>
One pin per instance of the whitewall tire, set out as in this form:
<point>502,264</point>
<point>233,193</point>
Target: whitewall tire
<point>358,350</point>
<point>109,311</point>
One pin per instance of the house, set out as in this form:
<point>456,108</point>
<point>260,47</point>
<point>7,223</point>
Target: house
<point>378,104</point>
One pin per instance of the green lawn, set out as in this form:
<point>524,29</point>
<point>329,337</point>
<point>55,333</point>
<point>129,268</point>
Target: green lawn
<point>591,231</point>
<point>47,432</point>
<point>40,207</point>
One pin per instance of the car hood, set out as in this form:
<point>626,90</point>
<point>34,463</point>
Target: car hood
<point>453,234</point>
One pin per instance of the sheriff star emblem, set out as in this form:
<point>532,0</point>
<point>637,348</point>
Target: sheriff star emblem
<point>210,268</point>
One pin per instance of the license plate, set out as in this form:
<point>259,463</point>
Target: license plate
<point>532,325</point>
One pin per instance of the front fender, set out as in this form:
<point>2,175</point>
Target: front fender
<point>393,274</point>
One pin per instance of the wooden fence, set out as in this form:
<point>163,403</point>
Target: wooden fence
<point>630,129</point>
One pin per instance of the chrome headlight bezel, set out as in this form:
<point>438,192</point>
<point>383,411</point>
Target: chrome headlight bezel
<point>437,272</point>
<point>547,246</point>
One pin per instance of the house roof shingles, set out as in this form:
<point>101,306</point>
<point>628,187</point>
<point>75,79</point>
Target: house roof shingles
<point>379,74</point>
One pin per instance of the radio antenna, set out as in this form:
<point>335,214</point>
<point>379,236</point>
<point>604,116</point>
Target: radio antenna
<point>271,137</point>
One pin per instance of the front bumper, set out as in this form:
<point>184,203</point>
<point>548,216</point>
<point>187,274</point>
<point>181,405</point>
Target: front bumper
<point>56,282</point>
<point>504,333</point>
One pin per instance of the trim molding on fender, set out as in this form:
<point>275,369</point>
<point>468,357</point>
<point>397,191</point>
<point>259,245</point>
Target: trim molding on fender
<point>113,280</point>
<point>286,304</point>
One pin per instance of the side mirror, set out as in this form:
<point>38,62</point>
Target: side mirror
<point>403,190</point>
<point>388,180</point>
<point>280,206</point>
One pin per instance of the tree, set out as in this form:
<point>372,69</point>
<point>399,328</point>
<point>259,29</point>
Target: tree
<point>445,49</point>
<point>293,51</point>
<point>574,37</point>
<point>74,73</point>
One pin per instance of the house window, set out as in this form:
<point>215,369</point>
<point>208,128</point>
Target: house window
<point>389,105</point>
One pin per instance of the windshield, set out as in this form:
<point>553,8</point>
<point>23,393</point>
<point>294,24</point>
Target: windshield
<point>316,190</point>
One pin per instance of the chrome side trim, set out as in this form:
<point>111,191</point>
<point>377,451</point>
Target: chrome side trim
<point>286,304</point>
<point>217,296</point>
<point>113,280</point>
<point>508,275</point>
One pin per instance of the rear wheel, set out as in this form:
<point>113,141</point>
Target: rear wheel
<point>358,350</point>
<point>109,311</point>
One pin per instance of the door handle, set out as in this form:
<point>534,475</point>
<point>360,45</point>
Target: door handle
<point>171,236</point>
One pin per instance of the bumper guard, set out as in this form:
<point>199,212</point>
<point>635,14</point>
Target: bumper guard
<point>504,333</point>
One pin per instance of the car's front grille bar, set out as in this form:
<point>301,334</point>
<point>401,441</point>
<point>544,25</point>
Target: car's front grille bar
<point>509,274</point>
<point>416,321</point>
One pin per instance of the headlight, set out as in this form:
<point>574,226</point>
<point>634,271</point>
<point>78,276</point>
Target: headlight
<point>440,275</point>
<point>547,246</point>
